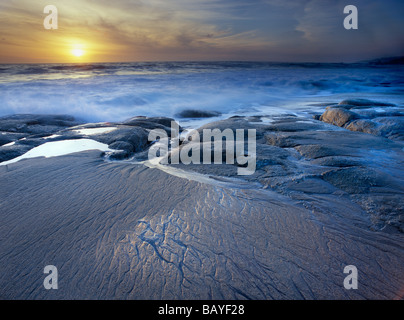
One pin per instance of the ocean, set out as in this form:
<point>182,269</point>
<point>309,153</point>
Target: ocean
<point>107,92</point>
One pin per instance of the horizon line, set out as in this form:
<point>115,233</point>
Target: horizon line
<point>212,61</point>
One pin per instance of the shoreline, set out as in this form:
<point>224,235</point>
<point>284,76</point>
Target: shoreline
<point>322,197</point>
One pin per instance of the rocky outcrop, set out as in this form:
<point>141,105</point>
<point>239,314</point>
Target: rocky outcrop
<point>298,157</point>
<point>378,118</point>
<point>37,124</point>
<point>295,156</point>
<point>20,133</point>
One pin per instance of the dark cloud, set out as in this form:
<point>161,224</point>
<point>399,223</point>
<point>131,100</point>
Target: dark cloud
<point>278,30</point>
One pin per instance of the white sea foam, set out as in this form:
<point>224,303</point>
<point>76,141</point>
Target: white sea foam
<point>52,136</point>
<point>60,148</point>
<point>92,131</point>
<point>8,144</point>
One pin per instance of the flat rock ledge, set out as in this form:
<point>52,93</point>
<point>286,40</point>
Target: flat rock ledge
<point>308,160</point>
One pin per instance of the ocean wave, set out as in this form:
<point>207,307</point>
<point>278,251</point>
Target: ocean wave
<point>80,67</point>
<point>115,91</point>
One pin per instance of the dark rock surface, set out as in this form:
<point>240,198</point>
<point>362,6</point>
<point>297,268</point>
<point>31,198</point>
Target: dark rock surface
<point>296,156</point>
<point>150,122</point>
<point>7,137</point>
<point>136,137</point>
<point>14,151</point>
<point>373,117</point>
<point>190,113</point>
<point>34,124</point>
<point>28,131</point>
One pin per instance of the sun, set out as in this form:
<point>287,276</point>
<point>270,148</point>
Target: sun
<point>77,52</point>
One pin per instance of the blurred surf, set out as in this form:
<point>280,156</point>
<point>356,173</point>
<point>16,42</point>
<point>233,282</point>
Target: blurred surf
<point>116,91</point>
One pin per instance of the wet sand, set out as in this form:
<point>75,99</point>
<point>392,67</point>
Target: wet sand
<point>126,231</point>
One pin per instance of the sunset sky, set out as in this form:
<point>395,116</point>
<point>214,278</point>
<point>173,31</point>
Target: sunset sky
<point>134,30</point>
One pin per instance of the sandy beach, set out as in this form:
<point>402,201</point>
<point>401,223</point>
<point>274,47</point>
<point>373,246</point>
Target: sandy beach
<point>322,197</point>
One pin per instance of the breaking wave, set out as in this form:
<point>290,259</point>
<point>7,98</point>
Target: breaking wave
<point>115,91</point>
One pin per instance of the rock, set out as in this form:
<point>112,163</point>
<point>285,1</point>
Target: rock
<point>36,124</point>
<point>7,137</point>
<point>338,161</point>
<point>340,106</point>
<point>137,137</point>
<point>296,125</point>
<point>119,155</point>
<point>387,210</point>
<point>149,123</point>
<point>389,126</point>
<point>314,151</point>
<point>122,145</point>
<point>278,140</point>
<point>14,151</point>
<point>371,113</point>
<point>295,156</point>
<point>366,118</point>
<point>356,180</point>
<point>31,143</point>
<point>190,113</point>
<point>202,148</point>
<point>338,116</point>
<point>234,123</point>
<point>310,185</point>
<point>363,125</point>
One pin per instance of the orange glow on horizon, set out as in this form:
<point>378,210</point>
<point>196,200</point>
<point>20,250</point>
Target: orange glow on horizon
<point>77,48</point>
<point>77,52</point>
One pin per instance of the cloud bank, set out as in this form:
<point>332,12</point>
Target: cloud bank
<point>304,30</point>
